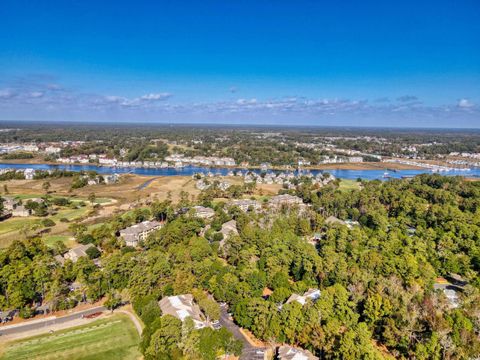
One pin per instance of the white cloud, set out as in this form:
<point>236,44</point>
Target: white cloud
<point>54,87</point>
<point>156,97</point>
<point>36,94</point>
<point>246,101</point>
<point>407,98</point>
<point>114,99</point>
<point>465,104</point>
<point>6,94</point>
<point>141,101</point>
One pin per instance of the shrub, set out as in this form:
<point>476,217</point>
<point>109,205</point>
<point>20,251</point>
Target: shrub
<point>218,236</point>
<point>26,313</point>
<point>48,222</point>
<point>86,239</point>
<point>61,201</point>
<point>93,252</point>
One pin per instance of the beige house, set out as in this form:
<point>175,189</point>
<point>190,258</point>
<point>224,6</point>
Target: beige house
<point>286,200</point>
<point>312,294</point>
<point>16,208</point>
<point>21,211</point>
<point>246,204</point>
<point>203,212</point>
<point>182,307</point>
<point>287,352</point>
<point>9,203</point>
<point>77,252</point>
<point>139,232</point>
<point>228,228</point>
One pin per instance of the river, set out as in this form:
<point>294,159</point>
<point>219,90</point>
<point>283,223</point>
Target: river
<point>190,170</point>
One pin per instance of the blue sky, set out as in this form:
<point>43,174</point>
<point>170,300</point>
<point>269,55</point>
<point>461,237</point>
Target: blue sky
<point>362,63</point>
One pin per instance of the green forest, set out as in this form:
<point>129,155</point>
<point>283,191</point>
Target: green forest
<point>377,277</point>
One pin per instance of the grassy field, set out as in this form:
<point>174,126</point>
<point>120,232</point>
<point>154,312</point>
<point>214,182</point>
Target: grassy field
<point>346,185</point>
<point>50,240</point>
<point>10,229</point>
<point>99,200</point>
<point>111,338</point>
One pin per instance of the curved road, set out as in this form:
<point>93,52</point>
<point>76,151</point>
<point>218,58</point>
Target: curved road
<point>249,352</point>
<point>35,325</point>
<point>134,319</point>
<point>146,183</point>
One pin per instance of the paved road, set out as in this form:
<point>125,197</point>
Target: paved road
<point>249,351</point>
<point>19,328</point>
<point>146,183</point>
<point>135,321</point>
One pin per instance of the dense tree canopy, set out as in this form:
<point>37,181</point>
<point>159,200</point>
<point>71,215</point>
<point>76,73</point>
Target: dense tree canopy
<point>376,278</point>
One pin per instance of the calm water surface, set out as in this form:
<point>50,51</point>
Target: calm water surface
<point>190,170</point>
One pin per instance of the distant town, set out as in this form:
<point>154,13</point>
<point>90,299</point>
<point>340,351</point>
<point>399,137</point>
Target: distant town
<point>272,150</point>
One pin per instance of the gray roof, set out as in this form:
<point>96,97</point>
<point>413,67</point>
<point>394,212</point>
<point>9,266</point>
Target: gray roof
<point>245,203</point>
<point>229,227</point>
<point>139,228</point>
<point>181,307</point>
<point>286,352</point>
<point>285,199</point>
<point>80,250</point>
<point>59,258</point>
<point>334,220</point>
<point>203,211</point>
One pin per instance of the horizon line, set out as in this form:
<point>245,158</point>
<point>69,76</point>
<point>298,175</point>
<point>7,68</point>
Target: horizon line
<point>234,124</point>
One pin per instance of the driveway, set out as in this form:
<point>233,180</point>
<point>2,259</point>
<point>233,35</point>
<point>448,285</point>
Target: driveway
<point>134,319</point>
<point>249,351</point>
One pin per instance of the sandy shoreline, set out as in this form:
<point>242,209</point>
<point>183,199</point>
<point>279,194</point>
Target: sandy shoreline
<point>339,166</point>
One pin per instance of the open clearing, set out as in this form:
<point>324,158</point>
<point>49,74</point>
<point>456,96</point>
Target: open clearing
<point>11,229</point>
<point>346,185</point>
<point>114,337</point>
<point>50,240</point>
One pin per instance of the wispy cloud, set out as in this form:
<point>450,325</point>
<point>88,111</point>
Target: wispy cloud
<point>45,97</point>
<point>36,94</point>
<point>7,94</point>
<point>465,104</point>
<point>54,87</point>
<point>407,98</point>
<point>141,101</point>
<point>156,97</point>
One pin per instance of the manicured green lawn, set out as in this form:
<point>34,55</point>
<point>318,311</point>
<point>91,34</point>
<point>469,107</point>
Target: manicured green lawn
<point>102,200</point>
<point>70,214</point>
<point>17,223</point>
<point>50,240</point>
<point>94,226</point>
<point>99,200</point>
<point>28,196</point>
<point>111,338</point>
<point>11,228</point>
